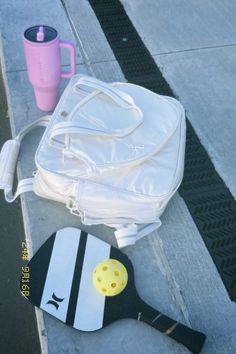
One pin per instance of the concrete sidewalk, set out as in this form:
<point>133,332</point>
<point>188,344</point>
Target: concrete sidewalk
<point>173,269</point>
<point>194,45</point>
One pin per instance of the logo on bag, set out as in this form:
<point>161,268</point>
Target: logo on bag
<point>55,301</point>
<point>136,148</point>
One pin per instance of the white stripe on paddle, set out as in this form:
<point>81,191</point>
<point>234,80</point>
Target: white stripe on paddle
<point>60,273</point>
<point>90,304</point>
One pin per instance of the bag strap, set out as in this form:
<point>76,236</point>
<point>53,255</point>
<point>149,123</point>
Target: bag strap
<point>8,160</point>
<point>118,96</point>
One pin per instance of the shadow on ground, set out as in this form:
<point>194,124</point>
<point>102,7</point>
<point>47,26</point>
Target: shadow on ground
<point>17,320</point>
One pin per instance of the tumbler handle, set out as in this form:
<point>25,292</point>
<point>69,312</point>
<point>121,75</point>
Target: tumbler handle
<point>71,47</point>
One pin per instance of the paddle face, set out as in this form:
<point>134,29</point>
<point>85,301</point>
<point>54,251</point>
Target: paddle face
<point>60,281</point>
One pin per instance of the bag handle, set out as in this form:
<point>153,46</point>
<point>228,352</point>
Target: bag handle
<point>8,160</point>
<point>118,96</point>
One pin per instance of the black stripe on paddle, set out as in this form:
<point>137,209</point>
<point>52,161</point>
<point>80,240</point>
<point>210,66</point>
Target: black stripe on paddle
<point>70,317</point>
<point>38,269</point>
<point>125,304</point>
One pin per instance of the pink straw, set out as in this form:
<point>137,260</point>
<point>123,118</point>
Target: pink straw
<point>40,34</point>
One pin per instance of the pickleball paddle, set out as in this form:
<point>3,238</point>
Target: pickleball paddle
<point>60,283</point>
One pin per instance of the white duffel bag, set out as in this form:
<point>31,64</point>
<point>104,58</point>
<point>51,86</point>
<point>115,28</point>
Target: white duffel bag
<point>112,153</point>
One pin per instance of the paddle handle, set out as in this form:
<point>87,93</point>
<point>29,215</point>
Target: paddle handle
<point>191,339</point>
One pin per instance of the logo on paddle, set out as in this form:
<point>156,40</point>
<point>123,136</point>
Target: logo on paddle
<point>55,301</point>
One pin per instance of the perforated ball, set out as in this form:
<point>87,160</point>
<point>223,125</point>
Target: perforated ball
<point>110,277</point>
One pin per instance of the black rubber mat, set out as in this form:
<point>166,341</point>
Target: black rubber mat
<point>210,203</point>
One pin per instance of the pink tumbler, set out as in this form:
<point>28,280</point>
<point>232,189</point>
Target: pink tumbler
<point>43,58</point>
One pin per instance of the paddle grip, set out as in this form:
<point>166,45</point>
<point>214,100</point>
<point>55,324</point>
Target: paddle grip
<point>193,340</point>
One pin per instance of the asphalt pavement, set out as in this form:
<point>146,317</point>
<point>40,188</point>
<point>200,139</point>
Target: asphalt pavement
<point>18,334</point>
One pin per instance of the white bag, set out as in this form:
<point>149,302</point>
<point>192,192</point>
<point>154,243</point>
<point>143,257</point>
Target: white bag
<point>113,153</point>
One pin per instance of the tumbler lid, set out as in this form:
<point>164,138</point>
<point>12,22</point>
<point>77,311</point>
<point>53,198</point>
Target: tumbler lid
<point>40,34</point>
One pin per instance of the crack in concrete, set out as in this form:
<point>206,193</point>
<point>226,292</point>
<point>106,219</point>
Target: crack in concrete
<point>164,267</point>
<point>24,69</point>
<point>194,49</point>
<point>79,42</point>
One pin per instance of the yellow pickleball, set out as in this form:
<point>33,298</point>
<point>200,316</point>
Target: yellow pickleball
<point>110,277</point>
